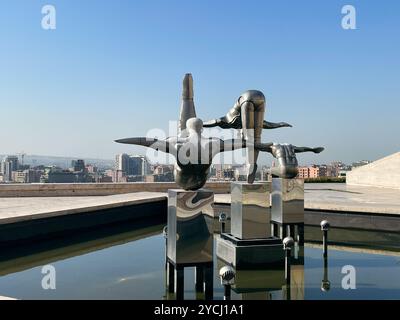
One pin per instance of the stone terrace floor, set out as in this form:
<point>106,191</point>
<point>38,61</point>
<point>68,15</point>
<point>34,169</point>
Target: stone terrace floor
<point>323,196</point>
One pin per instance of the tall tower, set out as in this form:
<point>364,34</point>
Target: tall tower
<point>8,165</point>
<point>122,163</point>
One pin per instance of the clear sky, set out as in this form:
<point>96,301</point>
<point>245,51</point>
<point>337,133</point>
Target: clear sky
<point>113,69</point>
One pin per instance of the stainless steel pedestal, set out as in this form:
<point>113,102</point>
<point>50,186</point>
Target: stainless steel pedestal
<point>190,240</point>
<point>251,210</point>
<point>287,201</point>
<point>287,212</point>
<point>250,254</point>
<point>250,245</point>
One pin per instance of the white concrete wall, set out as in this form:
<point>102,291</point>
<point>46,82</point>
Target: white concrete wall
<point>95,189</point>
<point>383,173</point>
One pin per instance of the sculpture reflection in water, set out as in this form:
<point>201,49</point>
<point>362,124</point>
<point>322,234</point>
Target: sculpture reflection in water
<point>256,284</point>
<point>325,283</point>
<point>269,283</point>
<point>294,290</point>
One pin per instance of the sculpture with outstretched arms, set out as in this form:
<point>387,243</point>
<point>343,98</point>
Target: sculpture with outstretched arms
<point>286,157</point>
<point>193,153</point>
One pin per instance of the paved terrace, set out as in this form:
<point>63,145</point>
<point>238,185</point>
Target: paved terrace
<point>23,209</point>
<point>340,197</point>
<point>348,207</point>
<point>318,196</point>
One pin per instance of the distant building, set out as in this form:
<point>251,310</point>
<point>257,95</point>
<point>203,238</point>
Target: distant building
<point>8,165</point>
<point>78,165</point>
<point>360,163</point>
<point>118,176</point>
<point>109,173</point>
<point>91,168</point>
<point>338,169</point>
<point>323,170</point>
<point>213,171</point>
<point>133,178</point>
<point>167,177</point>
<point>222,172</point>
<point>265,174</point>
<point>241,174</point>
<point>14,162</point>
<point>135,165</point>
<point>104,179</point>
<point>150,178</point>
<point>163,169</point>
<point>57,175</point>
<point>26,176</point>
<point>313,171</point>
<point>332,171</point>
<point>229,174</point>
<point>6,170</point>
<point>304,172</point>
<point>61,177</point>
<point>32,175</point>
<point>122,163</point>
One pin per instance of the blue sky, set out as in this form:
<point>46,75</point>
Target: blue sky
<point>113,69</point>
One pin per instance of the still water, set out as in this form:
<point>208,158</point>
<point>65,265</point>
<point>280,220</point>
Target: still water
<point>128,263</point>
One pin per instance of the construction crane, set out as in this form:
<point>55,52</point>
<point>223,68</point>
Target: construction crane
<point>22,154</point>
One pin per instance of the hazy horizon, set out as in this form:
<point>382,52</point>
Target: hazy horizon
<point>267,162</point>
<point>114,69</point>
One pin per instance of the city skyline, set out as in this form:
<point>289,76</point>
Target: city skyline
<point>137,168</point>
<point>96,78</point>
<point>68,159</point>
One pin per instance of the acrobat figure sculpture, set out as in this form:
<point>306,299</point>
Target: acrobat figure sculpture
<point>247,114</point>
<point>193,153</point>
<point>286,157</point>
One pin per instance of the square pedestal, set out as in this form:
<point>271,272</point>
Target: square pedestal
<point>251,210</point>
<point>287,200</point>
<point>190,229</point>
<point>251,254</point>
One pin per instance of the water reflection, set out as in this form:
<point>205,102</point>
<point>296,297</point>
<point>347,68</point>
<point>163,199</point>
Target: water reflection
<point>256,284</point>
<point>325,283</point>
<point>127,262</point>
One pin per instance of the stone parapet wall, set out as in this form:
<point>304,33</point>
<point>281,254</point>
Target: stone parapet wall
<point>95,189</point>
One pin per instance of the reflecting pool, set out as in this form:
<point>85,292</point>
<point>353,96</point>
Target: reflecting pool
<point>129,263</point>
